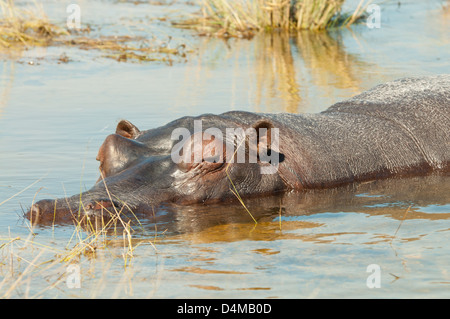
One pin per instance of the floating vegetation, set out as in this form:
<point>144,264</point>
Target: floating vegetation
<point>243,18</point>
<point>21,28</point>
<point>24,28</point>
<point>127,48</point>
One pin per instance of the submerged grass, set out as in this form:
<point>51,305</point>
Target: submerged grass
<point>24,260</point>
<point>127,48</point>
<point>243,18</point>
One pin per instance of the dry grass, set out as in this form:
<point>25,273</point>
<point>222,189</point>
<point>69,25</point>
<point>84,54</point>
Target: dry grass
<point>242,18</point>
<point>23,28</point>
<point>127,48</point>
<point>26,27</point>
<point>23,261</point>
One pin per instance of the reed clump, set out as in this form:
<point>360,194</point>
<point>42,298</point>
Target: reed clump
<point>26,27</point>
<point>243,18</point>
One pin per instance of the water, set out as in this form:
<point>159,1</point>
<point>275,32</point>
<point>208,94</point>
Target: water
<point>54,116</point>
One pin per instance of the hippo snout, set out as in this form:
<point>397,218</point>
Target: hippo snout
<point>48,211</point>
<point>40,211</point>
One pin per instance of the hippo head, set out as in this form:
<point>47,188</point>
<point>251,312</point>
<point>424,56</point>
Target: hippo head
<point>139,170</point>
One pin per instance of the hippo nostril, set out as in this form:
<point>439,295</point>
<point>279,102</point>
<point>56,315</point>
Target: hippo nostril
<point>35,209</point>
<point>42,207</point>
<point>34,214</point>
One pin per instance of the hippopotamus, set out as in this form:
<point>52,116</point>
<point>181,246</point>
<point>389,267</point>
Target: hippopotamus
<point>396,129</point>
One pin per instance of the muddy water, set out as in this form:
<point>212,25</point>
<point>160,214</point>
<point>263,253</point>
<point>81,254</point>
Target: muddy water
<point>54,116</point>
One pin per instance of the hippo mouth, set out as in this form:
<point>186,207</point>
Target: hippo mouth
<point>47,212</point>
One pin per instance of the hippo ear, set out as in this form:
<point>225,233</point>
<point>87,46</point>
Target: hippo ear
<point>267,141</point>
<point>127,129</point>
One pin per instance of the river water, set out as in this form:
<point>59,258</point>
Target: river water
<point>372,240</point>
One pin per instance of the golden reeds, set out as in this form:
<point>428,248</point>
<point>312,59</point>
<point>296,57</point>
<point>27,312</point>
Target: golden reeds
<point>22,260</point>
<point>243,18</point>
<point>26,27</point>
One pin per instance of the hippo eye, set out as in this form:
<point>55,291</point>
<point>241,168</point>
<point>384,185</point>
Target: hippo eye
<point>212,159</point>
<point>211,154</point>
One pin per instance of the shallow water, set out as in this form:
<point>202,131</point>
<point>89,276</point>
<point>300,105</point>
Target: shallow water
<point>54,116</point>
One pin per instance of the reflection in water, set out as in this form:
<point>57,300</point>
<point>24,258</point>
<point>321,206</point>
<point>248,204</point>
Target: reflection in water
<point>301,215</point>
<point>313,243</point>
<point>327,62</point>
<point>444,23</point>
<point>265,231</point>
<point>323,61</point>
<point>277,70</point>
<point>7,79</point>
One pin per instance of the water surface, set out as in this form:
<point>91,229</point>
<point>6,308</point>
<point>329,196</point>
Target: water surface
<point>54,116</point>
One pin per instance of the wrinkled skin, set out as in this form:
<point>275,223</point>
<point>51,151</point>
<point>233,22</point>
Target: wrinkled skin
<point>396,129</point>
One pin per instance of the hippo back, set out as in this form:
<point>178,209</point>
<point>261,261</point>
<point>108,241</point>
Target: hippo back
<point>419,106</point>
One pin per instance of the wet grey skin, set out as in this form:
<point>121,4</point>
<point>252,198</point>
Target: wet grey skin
<point>393,130</point>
